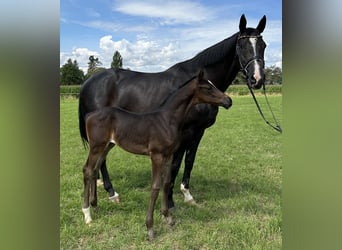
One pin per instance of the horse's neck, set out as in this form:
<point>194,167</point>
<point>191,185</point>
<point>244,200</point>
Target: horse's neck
<point>179,104</point>
<point>219,61</point>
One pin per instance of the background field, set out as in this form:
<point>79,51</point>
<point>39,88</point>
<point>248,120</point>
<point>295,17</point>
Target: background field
<point>236,181</point>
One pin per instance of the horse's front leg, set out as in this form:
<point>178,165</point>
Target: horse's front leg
<point>189,163</point>
<point>157,164</point>
<point>175,165</point>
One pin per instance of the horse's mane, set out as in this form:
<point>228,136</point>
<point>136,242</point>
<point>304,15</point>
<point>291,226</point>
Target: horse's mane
<point>211,55</point>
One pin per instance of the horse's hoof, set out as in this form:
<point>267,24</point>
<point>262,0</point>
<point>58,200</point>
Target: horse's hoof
<point>190,202</point>
<point>172,209</point>
<point>115,198</point>
<point>169,220</point>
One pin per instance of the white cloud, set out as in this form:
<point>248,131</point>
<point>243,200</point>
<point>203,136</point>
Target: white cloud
<point>81,55</point>
<point>169,11</point>
<point>141,55</point>
<point>159,50</point>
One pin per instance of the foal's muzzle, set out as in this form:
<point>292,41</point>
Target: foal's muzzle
<point>227,102</point>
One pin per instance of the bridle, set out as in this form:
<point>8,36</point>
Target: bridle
<point>244,69</point>
<point>254,58</point>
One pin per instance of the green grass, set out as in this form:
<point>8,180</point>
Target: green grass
<point>236,182</point>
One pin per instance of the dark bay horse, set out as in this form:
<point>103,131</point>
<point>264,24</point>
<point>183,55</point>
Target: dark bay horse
<point>154,133</point>
<point>142,92</point>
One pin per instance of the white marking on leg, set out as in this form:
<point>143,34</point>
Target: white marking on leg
<point>187,196</point>
<point>87,216</point>
<point>115,198</point>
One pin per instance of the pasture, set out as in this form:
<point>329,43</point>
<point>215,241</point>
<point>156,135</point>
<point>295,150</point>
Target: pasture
<point>236,182</point>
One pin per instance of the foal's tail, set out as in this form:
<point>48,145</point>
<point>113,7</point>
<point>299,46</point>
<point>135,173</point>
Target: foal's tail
<point>81,119</point>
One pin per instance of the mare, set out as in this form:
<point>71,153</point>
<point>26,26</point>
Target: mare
<point>154,133</point>
<point>142,92</point>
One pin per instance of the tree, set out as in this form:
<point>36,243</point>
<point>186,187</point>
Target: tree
<point>93,66</point>
<point>71,74</point>
<point>117,60</point>
<point>240,78</point>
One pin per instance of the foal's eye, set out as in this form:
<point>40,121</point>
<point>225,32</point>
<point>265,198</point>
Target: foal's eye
<point>206,87</point>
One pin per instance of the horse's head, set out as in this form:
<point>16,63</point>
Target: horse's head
<point>206,92</point>
<point>250,49</point>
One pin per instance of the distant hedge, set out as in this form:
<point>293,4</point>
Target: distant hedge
<point>74,90</point>
<point>69,90</point>
<point>243,89</point>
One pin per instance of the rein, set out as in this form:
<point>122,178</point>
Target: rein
<point>277,126</point>
<point>244,69</point>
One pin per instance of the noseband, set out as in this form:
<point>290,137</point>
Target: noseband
<point>255,58</point>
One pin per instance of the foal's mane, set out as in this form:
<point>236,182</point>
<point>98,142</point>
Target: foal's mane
<point>173,93</point>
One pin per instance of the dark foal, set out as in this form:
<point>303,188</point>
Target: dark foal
<point>155,134</point>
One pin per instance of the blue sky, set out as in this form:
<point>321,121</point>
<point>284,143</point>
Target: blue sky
<point>152,35</point>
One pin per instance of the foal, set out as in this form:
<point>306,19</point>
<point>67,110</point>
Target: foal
<point>155,134</point>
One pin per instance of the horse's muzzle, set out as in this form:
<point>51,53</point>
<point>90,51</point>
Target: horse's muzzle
<point>256,84</point>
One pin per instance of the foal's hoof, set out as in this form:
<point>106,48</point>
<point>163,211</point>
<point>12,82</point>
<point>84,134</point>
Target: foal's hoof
<point>87,217</point>
<point>150,235</point>
<point>115,198</point>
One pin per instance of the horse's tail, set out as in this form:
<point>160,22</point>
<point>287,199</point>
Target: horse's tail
<point>81,119</point>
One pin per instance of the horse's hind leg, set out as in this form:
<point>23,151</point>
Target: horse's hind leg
<point>113,196</point>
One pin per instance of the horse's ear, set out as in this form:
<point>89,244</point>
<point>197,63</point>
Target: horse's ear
<point>262,24</point>
<point>243,23</point>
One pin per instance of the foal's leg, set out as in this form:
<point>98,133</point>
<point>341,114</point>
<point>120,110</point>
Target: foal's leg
<point>89,178</point>
<point>166,190</point>
<point>157,163</point>
<point>189,163</point>
<point>86,192</point>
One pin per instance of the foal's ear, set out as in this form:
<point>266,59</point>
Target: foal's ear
<point>243,23</point>
<point>262,24</point>
<point>200,74</point>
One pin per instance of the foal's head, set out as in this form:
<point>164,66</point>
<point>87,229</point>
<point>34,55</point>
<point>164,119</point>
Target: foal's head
<point>250,50</point>
<point>206,92</point>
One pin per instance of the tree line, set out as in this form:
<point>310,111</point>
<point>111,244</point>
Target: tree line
<point>71,74</point>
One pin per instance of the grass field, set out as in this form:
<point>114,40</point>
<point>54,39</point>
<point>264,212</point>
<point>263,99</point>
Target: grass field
<point>236,181</point>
